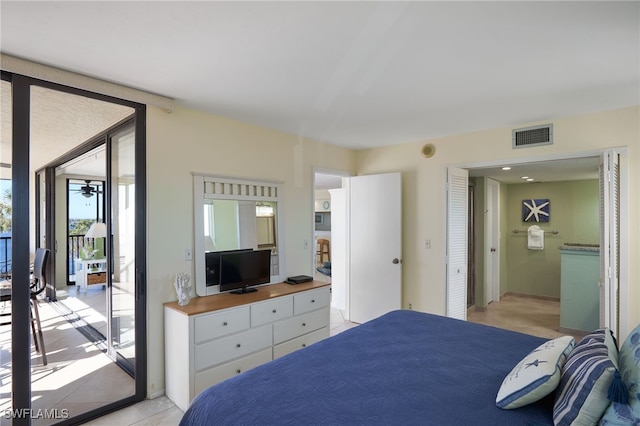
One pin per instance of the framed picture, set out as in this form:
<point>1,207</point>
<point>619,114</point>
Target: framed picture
<point>319,219</point>
<point>536,210</point>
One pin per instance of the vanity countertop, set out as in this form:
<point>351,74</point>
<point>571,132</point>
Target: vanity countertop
<point>594,248</point>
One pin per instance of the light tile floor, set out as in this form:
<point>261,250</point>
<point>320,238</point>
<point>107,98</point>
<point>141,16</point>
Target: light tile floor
<point>538,317</point>
<point>78,377</point>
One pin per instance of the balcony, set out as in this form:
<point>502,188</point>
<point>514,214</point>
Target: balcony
<point>75,244</point>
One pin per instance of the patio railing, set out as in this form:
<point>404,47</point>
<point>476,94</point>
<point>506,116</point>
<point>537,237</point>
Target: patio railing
<point>5,256</point>
<point>75,244</point>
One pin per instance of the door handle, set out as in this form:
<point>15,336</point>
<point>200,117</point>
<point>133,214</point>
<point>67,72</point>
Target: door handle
<point>395,261</point>
<point>493,250</point>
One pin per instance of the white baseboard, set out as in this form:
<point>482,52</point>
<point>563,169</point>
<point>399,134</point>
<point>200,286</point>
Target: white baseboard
<point>156,394</point>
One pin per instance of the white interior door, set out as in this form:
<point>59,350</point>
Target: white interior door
<point>610,240</point>
<point>375,228</point>
<point>457,206</point>
<point>492,247</point>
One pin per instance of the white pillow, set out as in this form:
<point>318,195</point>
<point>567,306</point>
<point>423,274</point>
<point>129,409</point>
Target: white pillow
<point>536,376</point>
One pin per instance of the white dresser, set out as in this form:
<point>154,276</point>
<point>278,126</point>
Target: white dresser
<point>216,337</point>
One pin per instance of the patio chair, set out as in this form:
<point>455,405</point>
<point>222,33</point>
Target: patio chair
<point>37,285</point>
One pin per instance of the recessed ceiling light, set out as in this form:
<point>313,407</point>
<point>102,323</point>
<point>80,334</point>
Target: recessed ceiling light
<point>530,180</point>
<point>506,168</point>
<point>524,177</point>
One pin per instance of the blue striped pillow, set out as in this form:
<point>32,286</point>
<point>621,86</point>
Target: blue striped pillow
<point>581,397</point>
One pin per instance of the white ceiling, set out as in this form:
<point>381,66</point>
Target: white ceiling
<point>539,172</point>
<point>356,74</point>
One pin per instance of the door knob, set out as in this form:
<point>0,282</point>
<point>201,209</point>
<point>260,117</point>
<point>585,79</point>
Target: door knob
<point>395,261</point>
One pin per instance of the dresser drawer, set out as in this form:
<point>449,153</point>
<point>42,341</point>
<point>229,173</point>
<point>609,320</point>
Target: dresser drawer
<point>227,348</point>
<point>299,325</point>
<point>212,326</point>
<point>206,378</point>
<point>271,310</point>
<point>300,342</point>
<point>311,300</point>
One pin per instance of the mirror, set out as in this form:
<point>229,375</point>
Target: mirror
<point>232,214</point>
<point>232,225</point>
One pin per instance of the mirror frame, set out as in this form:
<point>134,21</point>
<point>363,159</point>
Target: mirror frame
<point>207,188</point>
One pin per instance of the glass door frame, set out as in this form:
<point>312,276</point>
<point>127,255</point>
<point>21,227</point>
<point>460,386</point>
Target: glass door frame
<point>21,234</point>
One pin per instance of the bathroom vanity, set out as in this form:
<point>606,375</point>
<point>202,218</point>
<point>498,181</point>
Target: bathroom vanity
<point>579,292</point>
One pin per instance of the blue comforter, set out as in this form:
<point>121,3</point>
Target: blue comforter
<point>404,368</point>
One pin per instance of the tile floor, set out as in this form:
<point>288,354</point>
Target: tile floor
<point>538,317</point>
<point>78,376</point>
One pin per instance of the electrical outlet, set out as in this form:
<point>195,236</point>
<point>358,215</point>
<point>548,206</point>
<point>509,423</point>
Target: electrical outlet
<point>188,254</point>
<point>410,306</point>
<point>306,244</point>
<point>427,243</point>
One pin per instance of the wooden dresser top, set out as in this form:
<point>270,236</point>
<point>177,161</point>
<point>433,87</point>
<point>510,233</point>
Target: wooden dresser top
<point>215,302</point>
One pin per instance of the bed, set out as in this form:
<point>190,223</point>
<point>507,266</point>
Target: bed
<point>404,367</point>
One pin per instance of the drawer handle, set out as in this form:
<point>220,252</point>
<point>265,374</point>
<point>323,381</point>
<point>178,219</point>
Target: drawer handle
<point>304,324</point>
<point>313,300</point>
<point>225,323</point>
<point>304,345</point>
<point>238,371</point>
<point>238,345</point>
<point>274,311</point>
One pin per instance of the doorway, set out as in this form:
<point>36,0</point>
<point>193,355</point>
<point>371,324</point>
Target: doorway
<point>324,184</point>
<point>572,169</point>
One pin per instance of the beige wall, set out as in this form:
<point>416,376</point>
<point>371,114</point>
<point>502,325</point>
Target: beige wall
<point>187,141</point>
<point>424,179</point>
<point>574,213</point>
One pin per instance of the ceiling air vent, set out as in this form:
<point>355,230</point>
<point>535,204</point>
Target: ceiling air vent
<point>532,136</point>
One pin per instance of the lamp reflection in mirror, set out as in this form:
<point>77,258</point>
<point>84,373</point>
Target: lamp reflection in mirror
<point>97,230</point>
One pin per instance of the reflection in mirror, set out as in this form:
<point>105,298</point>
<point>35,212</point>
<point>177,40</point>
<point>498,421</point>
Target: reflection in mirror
<point>266,225</point>
<point>232,225</point>
<point>234,214</point>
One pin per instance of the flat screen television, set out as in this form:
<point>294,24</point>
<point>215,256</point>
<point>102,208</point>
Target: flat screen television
<point>212,265</point>
<point>239,271</point>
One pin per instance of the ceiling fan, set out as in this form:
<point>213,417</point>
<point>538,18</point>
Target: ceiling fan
<point>88,190</point>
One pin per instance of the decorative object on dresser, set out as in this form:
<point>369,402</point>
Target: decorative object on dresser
<point>182,285</point>
<point>220,336</point>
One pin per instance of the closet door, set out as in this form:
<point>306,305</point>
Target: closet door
<point>610,240</point>
<point>457,205</point>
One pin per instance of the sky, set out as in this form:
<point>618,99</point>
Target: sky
<point>80,207</point>
<point>4,184</point>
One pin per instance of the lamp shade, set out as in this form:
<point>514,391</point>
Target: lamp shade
<point>97,230</point>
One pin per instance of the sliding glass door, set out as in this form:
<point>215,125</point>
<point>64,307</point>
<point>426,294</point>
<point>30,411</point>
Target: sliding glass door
<point>49,131</point>
<point>122,294</point>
